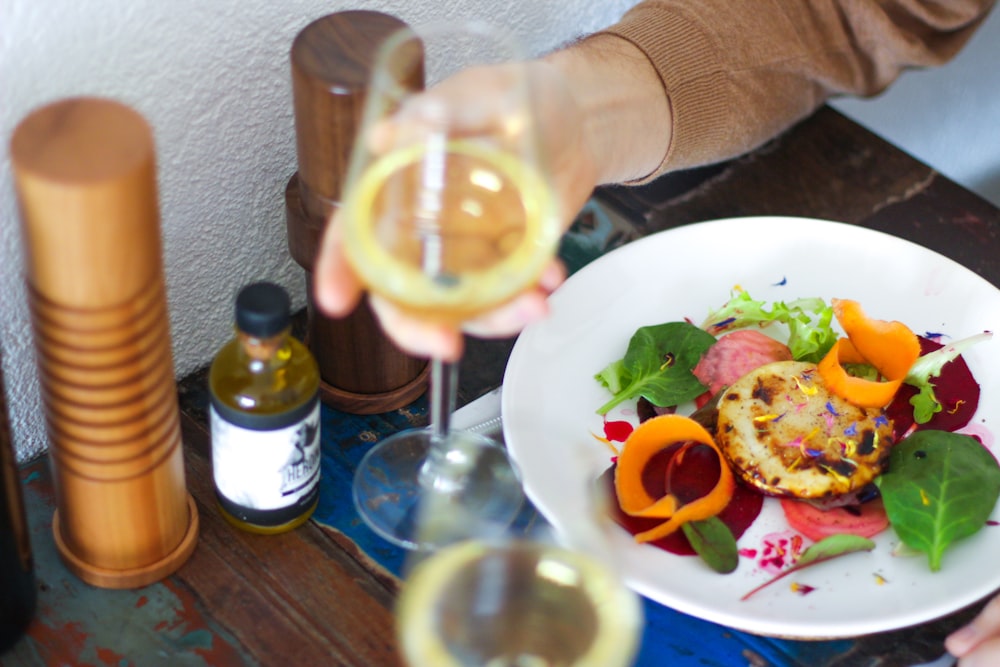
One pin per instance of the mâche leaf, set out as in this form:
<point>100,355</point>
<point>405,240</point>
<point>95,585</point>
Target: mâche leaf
<point>940,488</point>
<point>714,542</point>
<point>657,365</point>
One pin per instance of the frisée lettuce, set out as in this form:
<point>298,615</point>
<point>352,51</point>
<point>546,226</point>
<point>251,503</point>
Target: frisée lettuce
<point>809,321</point>
<point>929,366</point>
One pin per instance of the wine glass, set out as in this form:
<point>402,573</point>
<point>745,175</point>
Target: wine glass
<point>520,598</point>
<point>448,212</point>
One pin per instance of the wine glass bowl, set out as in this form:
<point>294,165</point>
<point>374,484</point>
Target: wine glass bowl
<point>479,477</point>
<point>516,603</point>
<point>450,244</point>
<point>521,596</point>
<point>448,212</point>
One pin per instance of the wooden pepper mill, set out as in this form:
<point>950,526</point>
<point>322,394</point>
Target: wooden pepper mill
<point>362,371</point>
<point>85,175</point>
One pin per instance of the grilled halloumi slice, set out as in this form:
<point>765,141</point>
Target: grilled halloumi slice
<point>786,435</point>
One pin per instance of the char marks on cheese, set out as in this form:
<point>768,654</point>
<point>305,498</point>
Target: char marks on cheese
<point>786,435</point>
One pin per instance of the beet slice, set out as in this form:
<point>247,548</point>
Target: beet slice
<point>956,389</point>
<point>689,479</point>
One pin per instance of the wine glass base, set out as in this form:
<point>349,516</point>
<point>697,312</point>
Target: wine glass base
<point>476,492</point>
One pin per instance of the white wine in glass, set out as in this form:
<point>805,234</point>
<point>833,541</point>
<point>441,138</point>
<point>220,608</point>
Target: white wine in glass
<point>448,212</point>
<point>449,235</point>
<point>521,603</point>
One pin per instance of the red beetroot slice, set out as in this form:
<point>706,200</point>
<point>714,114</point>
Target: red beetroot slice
<point>956,389</point>
<point>866,520</point>
<point>692,478</point>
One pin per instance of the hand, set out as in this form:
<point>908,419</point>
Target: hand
<point>603,117</point>
<point>471,97</point>
<point>978,643</point>
<point>338,292</point>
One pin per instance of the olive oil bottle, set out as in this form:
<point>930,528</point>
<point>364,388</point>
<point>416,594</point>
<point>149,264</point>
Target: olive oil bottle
<point>265,417</point>
<point>17,572</point>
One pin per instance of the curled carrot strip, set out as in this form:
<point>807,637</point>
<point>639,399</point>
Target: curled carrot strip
<point>858,391</point>
<point>646,440</point>
<point>890,347</point>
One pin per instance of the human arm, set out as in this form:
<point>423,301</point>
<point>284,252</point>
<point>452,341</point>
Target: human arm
<point>738,74</point>
<point>680,83</point>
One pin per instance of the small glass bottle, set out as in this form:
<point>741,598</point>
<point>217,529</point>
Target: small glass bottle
<point>265,417</point>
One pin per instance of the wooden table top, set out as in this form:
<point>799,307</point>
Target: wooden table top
<point>323,594</point>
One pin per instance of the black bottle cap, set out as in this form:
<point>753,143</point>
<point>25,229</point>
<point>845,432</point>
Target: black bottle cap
<point>263,309</point>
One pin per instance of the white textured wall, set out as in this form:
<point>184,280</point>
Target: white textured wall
<point>212,78</point>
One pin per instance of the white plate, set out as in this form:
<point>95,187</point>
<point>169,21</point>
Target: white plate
<point>549,399</point>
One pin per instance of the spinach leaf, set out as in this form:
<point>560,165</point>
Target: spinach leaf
<point>940,488</point>
<point>824,550</point>
<point>658,365</point>
<point>714,542</point>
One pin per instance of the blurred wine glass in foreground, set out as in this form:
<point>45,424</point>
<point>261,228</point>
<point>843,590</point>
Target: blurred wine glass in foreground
<point>448,213</point>
<point>523,599</point>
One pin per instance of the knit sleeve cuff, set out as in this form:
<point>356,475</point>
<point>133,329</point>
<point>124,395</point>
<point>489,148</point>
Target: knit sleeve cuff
<point>695,83</point>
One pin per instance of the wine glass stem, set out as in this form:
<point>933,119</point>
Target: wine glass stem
<point>444,376</point>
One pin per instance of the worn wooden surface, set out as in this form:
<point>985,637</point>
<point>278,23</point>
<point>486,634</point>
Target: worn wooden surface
<point>323,594</point>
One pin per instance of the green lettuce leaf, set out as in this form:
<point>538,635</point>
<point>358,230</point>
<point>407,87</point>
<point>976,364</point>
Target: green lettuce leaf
<point>925,403</point>
<point>714,542</point>
<point>809,322</point>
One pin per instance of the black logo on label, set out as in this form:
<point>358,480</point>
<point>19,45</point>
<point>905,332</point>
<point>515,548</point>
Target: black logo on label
<point>302,466</point>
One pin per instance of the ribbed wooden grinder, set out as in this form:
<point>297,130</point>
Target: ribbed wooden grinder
<point>362,371</point>
<point>85,176</point>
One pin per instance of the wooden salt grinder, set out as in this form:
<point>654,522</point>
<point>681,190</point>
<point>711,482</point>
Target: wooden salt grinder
<point>362,371</point>
<point>85,175</point>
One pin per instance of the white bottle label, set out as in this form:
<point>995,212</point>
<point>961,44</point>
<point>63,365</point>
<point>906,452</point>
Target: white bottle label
<point>266,469</point>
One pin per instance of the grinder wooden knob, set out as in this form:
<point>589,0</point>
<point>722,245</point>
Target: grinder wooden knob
<point>362,371</point>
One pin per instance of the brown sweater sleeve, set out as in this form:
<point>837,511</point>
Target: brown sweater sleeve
<point>739,72</point>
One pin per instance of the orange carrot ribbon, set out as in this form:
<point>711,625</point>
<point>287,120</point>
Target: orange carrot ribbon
<point>649,438</point>
<point>889,347</point>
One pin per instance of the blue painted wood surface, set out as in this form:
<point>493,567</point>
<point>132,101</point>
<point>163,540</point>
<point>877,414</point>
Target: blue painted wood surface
<point>670,637</point>
<point>78,624</point>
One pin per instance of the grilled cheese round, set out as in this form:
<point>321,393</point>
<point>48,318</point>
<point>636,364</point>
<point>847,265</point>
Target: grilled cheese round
<point>786,435</point>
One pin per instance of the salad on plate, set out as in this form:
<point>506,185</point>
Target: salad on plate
<point>853,423</point>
